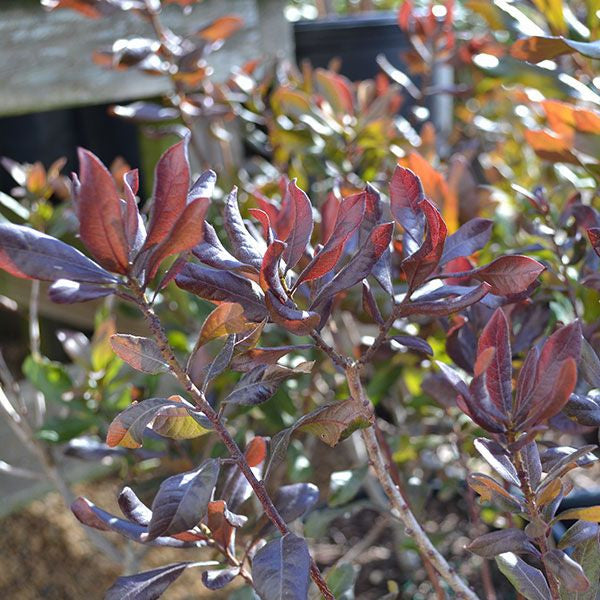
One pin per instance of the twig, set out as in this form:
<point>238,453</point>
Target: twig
<point>399,504</point>
<point>236,454</point>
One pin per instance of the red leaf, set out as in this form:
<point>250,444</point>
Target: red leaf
<point>329,212</point>
<point>186,232</point>
<point>265,221</point>
<point>499,372</point>
<point>348,219</point>
<point>594,235</point>
<point>556,374</point>
<point>509,274</point>
<point>171,184</point>
<point>302,226</point>
<point>419,265</point>
<point>99,209</point>
<point>269,272</point>
<point>300,322</point>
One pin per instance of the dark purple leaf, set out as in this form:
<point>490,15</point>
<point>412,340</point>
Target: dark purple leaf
<point>299,322</point>
<point>65,291</point>
<point>583,410</point>
<point>527,580</point>
<point>27,253</point>
<point>244,247</point>
<point>216,580</point>
<point>182,500</point>
<point>590,364</point>
<point>413,343</point>
<point>406,193</point>
<point>258,385</point>
<point>281,569</point>
<point>447,307</point>
<point>370,304</point>
<point>360,265</point>
<point>270,276</point>
<point>469,238</point>
<point>491,544</point>
<point>221,286</point>
<point>148,585</point>
<point>133,508</point>
<point>498,458</point>
<point>566,570</point>
<point>91,515</point>
<point>211,252</point>
<point>294,501</point>
<point>578,533</point>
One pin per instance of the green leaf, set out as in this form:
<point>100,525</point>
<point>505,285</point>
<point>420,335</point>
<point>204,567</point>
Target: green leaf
<point>48,377</point>
<point>587,554</point>
<point>341,580</point>
<point>344,485</point>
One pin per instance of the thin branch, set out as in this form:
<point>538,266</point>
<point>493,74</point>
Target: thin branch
<point>236,454</point>
<point>399,503</point>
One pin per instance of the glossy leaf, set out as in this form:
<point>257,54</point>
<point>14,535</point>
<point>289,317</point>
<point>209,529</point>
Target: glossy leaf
<point>510,274</point>
<point>527,580</point>
<point>349,217</point>
<point>494,543</point>
<point>583,410</point>
<point>169,197</point>
<point>300,322</point>
<point>133,508</point>
<point>92,516</point>
<point>182,500</point>
<point>301,226</point>
<point>469,238</point>
<point>221,286</point>
<point>420,264</point>
<point>65,291</point>
<point>146,585</point>
<point>360,264</point>
<point>498,458</point>
<point>226,319</point>
<point>244,247</point>
<point>212,253</point>
<point>406,194</point>
<point>567,571</point>
<point>270,276</point>
<point>499,373</point>
<point>127,428</point>
<point>27,253</point>
<point>216,580</point>
<point>101,224</point>
<point>280,569</point>
<point>141,353</point>
<point>185,234</point>
<point>578,533</point>
<point>254,357</point>
<point>258,385</point>
<point>294,501</point>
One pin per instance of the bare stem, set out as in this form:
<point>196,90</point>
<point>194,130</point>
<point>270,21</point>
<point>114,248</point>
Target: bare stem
<point>236,454</point>
<point>399,503</point>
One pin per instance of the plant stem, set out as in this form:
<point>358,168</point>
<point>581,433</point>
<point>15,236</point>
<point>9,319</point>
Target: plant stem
<point>236,454</point>
<point>534,514</point>
<point>398,501</point>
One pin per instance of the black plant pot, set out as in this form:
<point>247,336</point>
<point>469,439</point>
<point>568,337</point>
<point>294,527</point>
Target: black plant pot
<point>49,135</point>
<point>355,40</point>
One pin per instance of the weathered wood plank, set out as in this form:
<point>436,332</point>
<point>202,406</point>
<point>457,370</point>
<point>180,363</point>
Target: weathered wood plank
<point>45,58</point>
